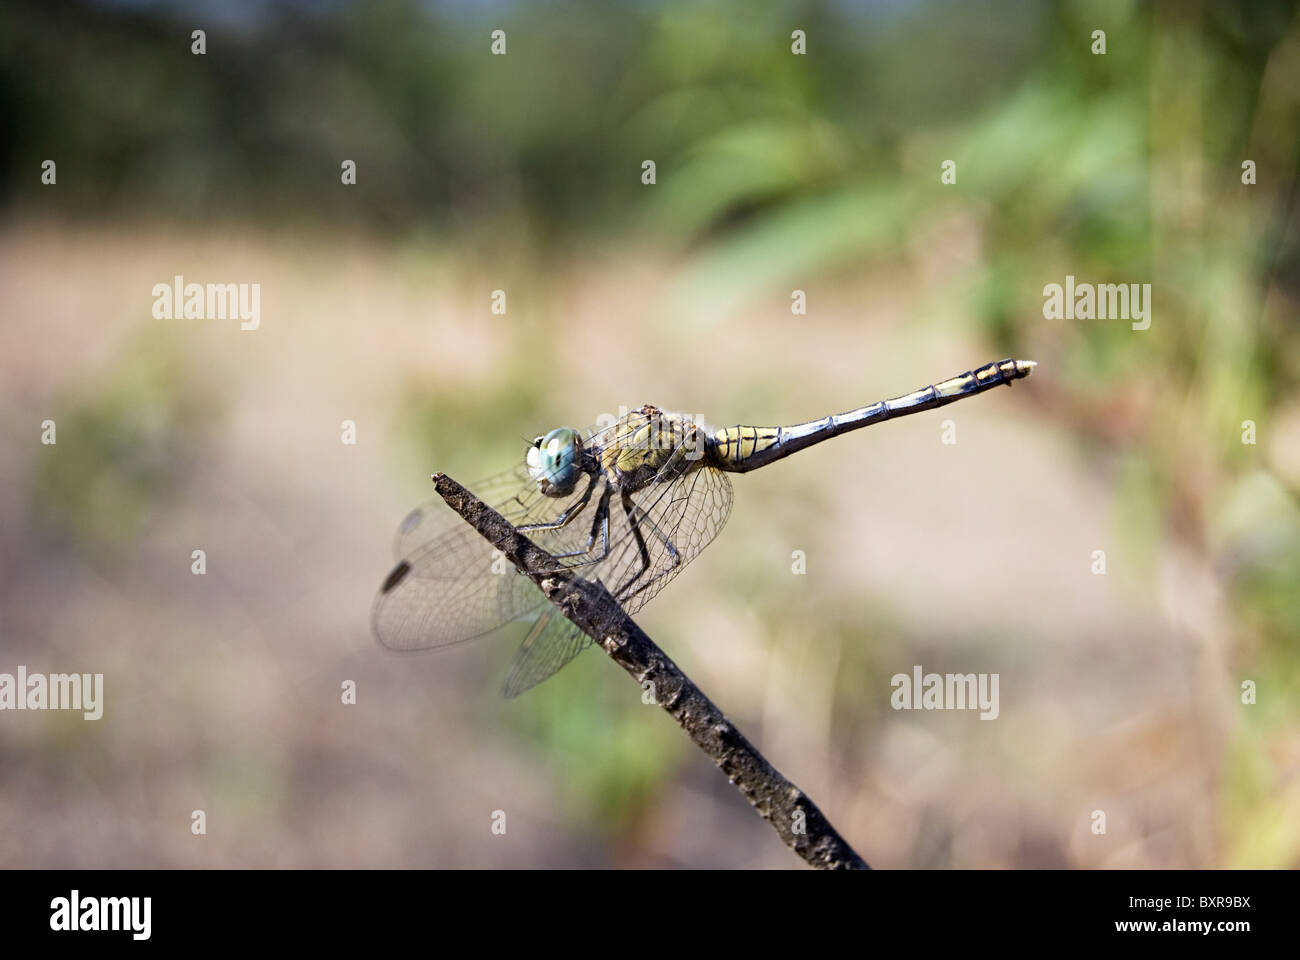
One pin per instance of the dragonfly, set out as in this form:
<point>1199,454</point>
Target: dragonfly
<point>629,503</point>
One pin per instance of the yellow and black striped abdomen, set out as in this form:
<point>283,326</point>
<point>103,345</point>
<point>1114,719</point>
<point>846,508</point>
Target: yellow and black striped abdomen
<point>736,444</point>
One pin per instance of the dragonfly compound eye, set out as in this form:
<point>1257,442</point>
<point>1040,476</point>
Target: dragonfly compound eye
<point>554,462</point>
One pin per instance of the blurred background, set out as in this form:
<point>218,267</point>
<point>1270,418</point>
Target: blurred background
<point>775,172</point>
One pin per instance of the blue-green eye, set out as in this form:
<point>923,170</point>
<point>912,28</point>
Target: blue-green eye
<point>553,461</point>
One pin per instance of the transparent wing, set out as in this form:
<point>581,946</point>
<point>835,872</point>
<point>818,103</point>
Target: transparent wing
<point>552,642</point>
<point>676,518</point>
<point>449,584</point>
<point>432,520</point>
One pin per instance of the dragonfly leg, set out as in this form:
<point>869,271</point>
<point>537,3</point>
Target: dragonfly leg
<point>599,522</point>
<point>645,554</point>
<point>664,539</point>
<point>630,509</point>
<point>563,519</point>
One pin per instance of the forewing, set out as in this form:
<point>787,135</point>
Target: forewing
<point>449,584</point>
<point>511,494</point>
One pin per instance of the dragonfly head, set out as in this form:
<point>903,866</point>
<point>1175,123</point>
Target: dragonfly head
<point>554,461</point>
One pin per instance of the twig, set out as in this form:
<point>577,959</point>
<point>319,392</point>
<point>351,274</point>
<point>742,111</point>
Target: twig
<point>592,608</point>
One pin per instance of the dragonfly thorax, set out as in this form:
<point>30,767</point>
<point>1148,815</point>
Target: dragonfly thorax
<point>650,446</point>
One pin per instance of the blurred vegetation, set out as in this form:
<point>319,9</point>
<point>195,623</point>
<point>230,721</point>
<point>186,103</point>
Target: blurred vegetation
<point>126,448</point>
<point>772,169</point>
